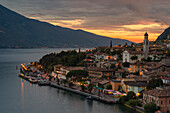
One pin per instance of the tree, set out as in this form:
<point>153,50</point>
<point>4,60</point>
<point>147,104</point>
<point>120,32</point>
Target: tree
<point>107,51</point>
<point>133,102</point>
<point>125,45</point>
<point>83,87</point>
<point>78,74</point>
<point>134,57</point>
<point>65,81</point>
<point>90,87</point>
<point>150,108</point>
<point>149,59</point>
<point>131,95</point>
<point>132,44</point>
<point>153,83</point>
<point>70,84</point>
<point>109,86</point>
<point>123,99</point>
<point>126,64</point>
<point>67,58</point>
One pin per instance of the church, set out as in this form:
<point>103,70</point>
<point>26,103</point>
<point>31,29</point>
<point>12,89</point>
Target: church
<point>154,55</point>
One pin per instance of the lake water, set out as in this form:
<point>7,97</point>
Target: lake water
<point>19,96</point>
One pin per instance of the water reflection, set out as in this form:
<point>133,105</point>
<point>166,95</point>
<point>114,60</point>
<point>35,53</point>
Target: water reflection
<point>22,92</point>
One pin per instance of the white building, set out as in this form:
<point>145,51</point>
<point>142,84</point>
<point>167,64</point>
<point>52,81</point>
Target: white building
<point>128,54</point>
<point>101,56</point>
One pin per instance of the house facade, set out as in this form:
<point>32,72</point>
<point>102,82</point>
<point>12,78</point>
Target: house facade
<point>160,96</point>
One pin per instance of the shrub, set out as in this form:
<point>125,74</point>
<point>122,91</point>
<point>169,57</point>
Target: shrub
<point>133,102</point>
<point>150,108</point>
<point>131,95</point>
<point>123,99</point>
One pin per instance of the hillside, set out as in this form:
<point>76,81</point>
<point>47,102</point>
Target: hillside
<point>164,34</point>
<point>18,31</point>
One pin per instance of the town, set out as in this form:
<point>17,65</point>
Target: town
<point>136,75</point>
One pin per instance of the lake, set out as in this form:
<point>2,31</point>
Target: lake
<point>19,96</point>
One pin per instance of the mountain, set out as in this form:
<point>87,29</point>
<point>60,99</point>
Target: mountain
<point>164,34</point>
<point>18,31</point>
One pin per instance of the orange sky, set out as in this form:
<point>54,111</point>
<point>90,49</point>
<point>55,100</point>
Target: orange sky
<point>125,19</point>
<point>134,32</point>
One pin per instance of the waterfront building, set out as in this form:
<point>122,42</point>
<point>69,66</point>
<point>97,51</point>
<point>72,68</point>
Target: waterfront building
<point>103,84</point>
<point>135,86</point>
<point>160,96</point>
<point>115,84</point>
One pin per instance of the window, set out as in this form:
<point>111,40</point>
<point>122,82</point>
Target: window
<point>161,102</point>
<point>125,59</point>
<point>169,101</point>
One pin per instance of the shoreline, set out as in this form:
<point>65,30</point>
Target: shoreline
<point>94,97</point>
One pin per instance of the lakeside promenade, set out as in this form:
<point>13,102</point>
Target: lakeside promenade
<point>95,97</point>
<point>92,96</point>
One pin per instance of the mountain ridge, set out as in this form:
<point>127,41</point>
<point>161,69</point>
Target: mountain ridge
<point>164,35</point>
<point>17,30</point>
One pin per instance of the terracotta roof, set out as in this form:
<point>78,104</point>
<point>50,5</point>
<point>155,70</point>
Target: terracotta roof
<point>131,76</point>
<point>166,78</point>
<point>98,53</point>
<point>156,52</point>
<point>98,69</point>
<point>162,73</point>
<point>135,52</point>
<point>118,47</point>
<point>159,92</point>
<point>139,63</point>
<point>104,82</point>
<point>95,80</point>
<point>75,68</point>
<point>58,65</point>
<point>135,83</point>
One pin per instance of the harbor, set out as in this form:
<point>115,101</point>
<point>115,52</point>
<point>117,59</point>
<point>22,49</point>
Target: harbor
<point>44,80</point>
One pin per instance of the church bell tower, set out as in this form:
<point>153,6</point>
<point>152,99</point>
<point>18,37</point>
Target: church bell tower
<point>146,45</point>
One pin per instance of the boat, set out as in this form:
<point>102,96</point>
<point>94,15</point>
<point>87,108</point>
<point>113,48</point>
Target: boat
<point>90,97</point>
<point>43,82</point>
<point>33,80</point>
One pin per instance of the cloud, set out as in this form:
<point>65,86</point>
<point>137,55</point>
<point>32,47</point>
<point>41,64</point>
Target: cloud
<point>103,15</point>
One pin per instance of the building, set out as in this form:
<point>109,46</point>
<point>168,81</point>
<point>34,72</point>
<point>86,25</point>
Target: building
<point>98,72</point>
<point>103,84</point>
<point>166,80</point>
<point>57,67</point>
<point>63,70</point>
<point>135,86</point>
<point>127,54</point>
<point>101,56</point>
<point>160,96</point>
<point>146,46</point>
<point>116,84</point>
<point>166,61</point>
<point>137,67</point>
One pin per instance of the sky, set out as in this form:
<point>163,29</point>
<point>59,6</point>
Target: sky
<point>125,19</point>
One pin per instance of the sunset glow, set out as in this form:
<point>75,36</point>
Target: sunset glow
<point>113,18</point>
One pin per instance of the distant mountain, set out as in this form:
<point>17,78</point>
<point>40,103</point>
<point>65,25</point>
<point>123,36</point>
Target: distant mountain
<point>164,34</point>
<point>18,31</point>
